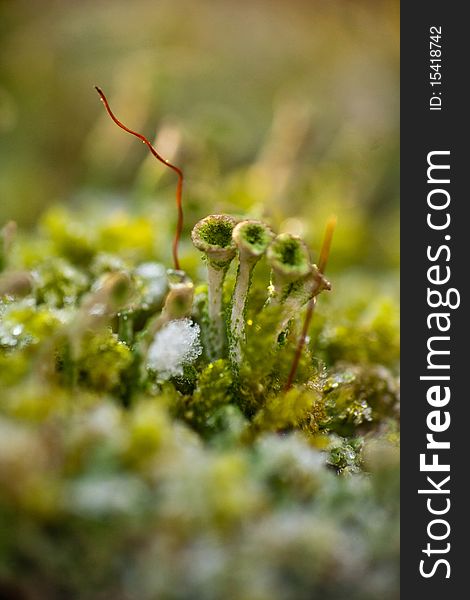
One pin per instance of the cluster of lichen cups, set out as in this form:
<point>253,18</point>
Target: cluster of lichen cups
<point>221,238</point>
<point>294,279</point>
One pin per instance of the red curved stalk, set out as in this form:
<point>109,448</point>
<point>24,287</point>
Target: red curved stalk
<point>323,259</point>
<point>179,172</point>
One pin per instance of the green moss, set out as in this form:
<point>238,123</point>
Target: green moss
<point>364,330</point>
<point>23,323</point>
<point>103,362</point>
<point>132,237</point>
<point>13,368</point>
<point>360,398</point>
<point>213,391</point>
<point>58,283</point>
<point>260,379</point>
<point>33,403</point>
<point>287,410</point>
<point>345,455</point>
<point>98,460</point>
<point>257,378</point>
<point>148,430</point>
<point>70,239</point>
<point>289,469</point>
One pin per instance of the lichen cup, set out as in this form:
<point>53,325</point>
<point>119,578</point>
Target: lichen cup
<point>213,237</point>
<point>252,239</point>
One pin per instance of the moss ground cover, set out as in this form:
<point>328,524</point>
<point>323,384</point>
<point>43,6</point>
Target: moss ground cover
<point>149,449</point>
<point>132,470</point>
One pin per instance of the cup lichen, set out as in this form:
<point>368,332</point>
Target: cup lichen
<point>213,236</point>
<point>289,259</point>
<point>252,239</point>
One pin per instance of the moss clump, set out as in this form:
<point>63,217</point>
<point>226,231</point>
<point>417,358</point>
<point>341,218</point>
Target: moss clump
<point>103,362</point>
<point>364,331</point>
<point>359,398</point>
<point>57,283</point>
<point>214,390</point>
<point>287,410</point>
<point>345,455</point>
<point>211,471</point>
<point>69,238</point>
<point>24,323</point>
<point>148,429</point>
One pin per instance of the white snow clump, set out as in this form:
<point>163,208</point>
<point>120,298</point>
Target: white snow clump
<point>177,344</point>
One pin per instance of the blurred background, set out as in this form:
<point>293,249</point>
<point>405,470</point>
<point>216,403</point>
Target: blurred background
<point>282,110</point>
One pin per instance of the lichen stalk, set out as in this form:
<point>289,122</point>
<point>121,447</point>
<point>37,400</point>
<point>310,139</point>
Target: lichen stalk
<point>237,320</point>
<point>216,330</point>
<point>289,259</point>
<point>324,255</point>
<point>301,292</point>
<point>213,237</point>
<point>252,239</point>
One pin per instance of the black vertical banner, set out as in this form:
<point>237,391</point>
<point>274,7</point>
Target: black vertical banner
<point>435,240</point>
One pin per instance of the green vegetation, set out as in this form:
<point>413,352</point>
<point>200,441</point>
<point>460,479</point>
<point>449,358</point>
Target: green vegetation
<point>149,449</point>
<point>126,446</point>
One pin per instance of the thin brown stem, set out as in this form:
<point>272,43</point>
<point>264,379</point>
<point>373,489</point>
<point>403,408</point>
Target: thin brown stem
<point>179,172</point>
<point>325,248</point>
